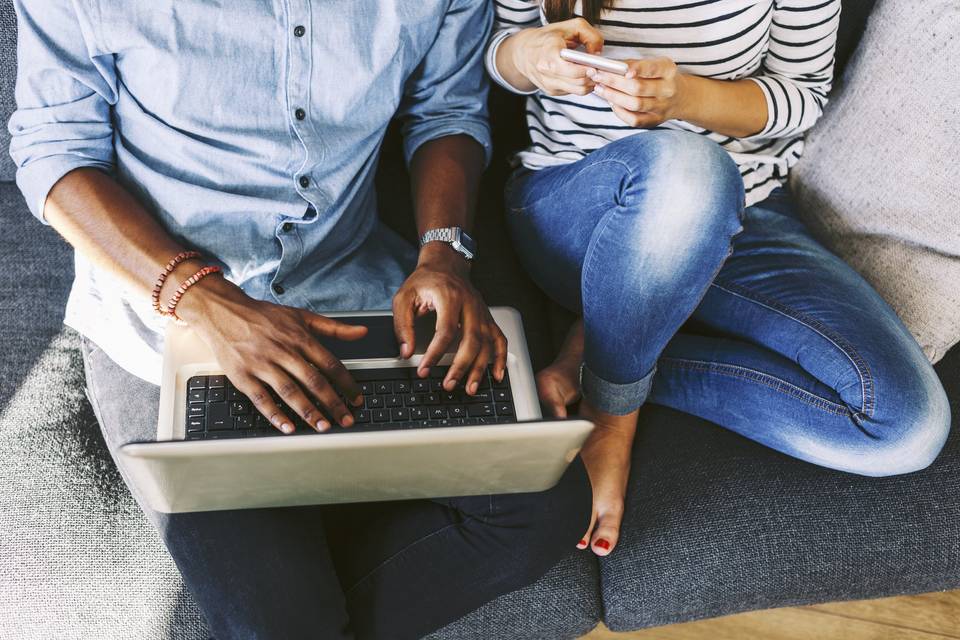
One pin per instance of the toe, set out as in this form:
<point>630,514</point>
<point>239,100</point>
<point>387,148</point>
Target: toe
<point>606,532</point>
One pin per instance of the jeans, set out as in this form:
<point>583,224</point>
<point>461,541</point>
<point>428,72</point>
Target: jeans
<point>373,570</point>
<point>778,340</point>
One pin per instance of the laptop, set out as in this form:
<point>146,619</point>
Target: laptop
<point>412,439</point>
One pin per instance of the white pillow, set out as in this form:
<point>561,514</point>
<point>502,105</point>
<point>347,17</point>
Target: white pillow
<point>879,182</point>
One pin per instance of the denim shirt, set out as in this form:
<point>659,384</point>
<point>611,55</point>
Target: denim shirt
<point>250,129</point>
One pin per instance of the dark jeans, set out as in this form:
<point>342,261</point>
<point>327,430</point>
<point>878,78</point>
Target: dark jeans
<point>374,570</point>
<point>784,343</point>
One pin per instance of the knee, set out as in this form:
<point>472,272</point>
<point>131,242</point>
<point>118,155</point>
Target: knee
<point>685,184</point>
<point>911,436</point>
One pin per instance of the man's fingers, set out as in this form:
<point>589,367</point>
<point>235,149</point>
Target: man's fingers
<point>471,344</point>
<point>403,323</point>
<point>264,403</point>
<point>499,355</point>
<point>317,383</point>
<point>293,396</point>
<point>333,328</point>
<point>330,367</point>
<point>478,371</point>
<point>443,336</point>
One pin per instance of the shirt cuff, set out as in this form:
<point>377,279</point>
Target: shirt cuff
<point>772,112</point>
<point>490,60</point>
<point>37,178</point>
<point>479,130</point>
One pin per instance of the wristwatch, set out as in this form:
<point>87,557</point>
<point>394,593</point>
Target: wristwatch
<point>455,237</point>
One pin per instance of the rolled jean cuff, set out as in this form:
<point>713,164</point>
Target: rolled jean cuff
<point>614,398</point>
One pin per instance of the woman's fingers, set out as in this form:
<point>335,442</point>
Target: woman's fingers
<point>580,30</point>
<point>639,87</point>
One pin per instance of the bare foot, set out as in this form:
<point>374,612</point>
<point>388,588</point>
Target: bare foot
<point>607,454</point>
<point>559,384</point>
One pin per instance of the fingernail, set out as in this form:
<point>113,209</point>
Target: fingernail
<point>287,428</point>
<point>347,420</point>
<point>323,425</point>
<point>601,544</point>
<point>582,544</point>
<point>591,73</point>
<point>403,349</point>
<point>473,388</point>
<point>598,90</point>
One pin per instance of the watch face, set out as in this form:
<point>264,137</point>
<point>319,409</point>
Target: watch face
<point>466,245</point>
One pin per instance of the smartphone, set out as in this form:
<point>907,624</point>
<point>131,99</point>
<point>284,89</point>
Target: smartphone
<point>597,62</point>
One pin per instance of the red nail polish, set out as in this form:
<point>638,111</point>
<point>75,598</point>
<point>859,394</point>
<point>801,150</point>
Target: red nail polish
<point>582,543</point>
<point>601,544</point>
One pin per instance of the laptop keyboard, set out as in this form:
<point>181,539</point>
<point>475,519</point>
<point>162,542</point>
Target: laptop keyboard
<point>392,399</point>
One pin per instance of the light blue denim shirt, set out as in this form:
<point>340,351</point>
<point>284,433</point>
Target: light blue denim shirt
<point>250,129</point>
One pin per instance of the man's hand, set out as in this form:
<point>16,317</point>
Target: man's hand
<point>440,283</point>
<point>263,346</point>
<point>652,91</point>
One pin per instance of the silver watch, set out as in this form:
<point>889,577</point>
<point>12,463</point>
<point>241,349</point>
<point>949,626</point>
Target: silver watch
<point>455,237</point>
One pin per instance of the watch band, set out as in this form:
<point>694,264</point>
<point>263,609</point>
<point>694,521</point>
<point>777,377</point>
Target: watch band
<point>446,234</point>
<point>456,237</point>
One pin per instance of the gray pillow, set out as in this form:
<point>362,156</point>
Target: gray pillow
<point>880,178</point>
<point>8,78</point>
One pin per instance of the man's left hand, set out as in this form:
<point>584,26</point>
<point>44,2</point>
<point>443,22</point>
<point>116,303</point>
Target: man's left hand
<point>441,283</point>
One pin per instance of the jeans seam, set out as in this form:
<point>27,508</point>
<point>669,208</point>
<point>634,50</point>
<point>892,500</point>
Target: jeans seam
<point>868,403</point>
<point>760,377</point>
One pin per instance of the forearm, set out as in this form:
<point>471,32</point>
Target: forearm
<point>107,225</point>
<point>445,175</point>
<point>735,108</point>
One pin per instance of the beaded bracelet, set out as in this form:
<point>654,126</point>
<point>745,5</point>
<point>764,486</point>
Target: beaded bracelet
<point>171,310</point>
<point>177,259</point>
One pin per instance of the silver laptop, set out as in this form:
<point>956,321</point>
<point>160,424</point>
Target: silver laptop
<point>412,439</point>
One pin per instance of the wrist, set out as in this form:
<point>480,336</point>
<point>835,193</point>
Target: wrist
<point>686,100</point>
<point>441,256</point>
<point>205,296</point>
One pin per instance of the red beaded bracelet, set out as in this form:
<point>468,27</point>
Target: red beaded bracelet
<point>177,259</point>
<point>171,310</point>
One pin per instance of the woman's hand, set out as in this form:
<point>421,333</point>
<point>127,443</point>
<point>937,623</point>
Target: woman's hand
<point>652,91</point>
<point>264,346</point>
<point>534,56</point>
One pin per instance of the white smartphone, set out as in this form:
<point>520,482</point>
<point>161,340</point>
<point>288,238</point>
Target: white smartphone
<point>597,62</point>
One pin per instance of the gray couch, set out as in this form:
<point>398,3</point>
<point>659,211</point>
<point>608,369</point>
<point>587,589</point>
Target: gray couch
<point>715,524</point>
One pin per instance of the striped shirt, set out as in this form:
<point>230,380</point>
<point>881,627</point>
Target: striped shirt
<point>785,46</point>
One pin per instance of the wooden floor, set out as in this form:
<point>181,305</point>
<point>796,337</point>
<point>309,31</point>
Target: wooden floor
<point>931,616</point>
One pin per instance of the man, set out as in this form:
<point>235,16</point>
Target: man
<point>250,134</point>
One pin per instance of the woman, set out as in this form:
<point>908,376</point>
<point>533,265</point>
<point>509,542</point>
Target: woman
<point>628,206</point>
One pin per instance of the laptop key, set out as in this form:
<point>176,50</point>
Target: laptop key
<point>383,387</point>
<point>393,401</point>
<point>239,407</point>
<point>217,381</point>
<point>216,395</point>
<point>218,417</point>
<point>421,386</point>
<point>504,409</point>
<point>502,395</point>
<point>431,398</point>
<point>413,399</point>
<point>437,413</point>
<point>195,410</point>
<point>456,411</point>
<point>196,435</point>
<point>399,415</point>
<point>381,415</point>
<point>418,413</point>
<point>243,422</point>
<point>194,425</point>
<point>480,410</point>
<point>361,416</point>
<point>401,386</point>
<point>197,395</point>
<point>480,397</point>
<point>374,402</point>
<point>197,382</point>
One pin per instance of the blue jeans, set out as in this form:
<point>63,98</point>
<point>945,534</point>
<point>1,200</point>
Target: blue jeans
<point>763,332</point>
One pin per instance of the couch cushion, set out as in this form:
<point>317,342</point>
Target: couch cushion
<point>717,524</point>
<point>878,180</point>
<point>8,77</point>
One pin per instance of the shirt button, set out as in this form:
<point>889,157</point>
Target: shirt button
<point>304,181</point>
<point>300,113</point>
<point>278,289</point>
<point>287,227</point>
<point>299,30</point>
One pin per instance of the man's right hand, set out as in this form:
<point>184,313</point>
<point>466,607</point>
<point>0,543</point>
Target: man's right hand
<point>264,346</point>
<point>535,53</point>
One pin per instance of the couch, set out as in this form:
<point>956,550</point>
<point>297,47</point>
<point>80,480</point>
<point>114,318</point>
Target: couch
<point>715,524</point>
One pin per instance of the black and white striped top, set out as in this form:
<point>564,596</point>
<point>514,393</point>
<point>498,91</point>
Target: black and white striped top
<point>785,46</point>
